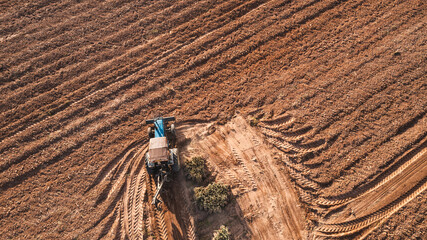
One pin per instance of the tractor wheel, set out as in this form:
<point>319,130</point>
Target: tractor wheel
<point>173,129</point>
<point>150,132</point>
<point>176,165</point>
<point>150,171</point>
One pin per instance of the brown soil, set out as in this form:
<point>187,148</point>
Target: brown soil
<point>313,111</point>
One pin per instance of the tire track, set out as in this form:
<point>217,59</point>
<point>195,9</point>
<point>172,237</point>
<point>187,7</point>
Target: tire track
<point>294,135</point>
<point>138,206</point>
<point>410,165</point>
<point>280,122</point>
<point>125,218</point>
<point>190,231</point>
<point>285,146</point>
<point>365,101</point>
<point>345,228</point>
<point>158,214</point>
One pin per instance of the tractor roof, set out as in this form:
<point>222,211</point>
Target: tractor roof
<point>158,149</point>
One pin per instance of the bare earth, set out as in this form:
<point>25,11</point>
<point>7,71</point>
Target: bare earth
<point>313,111</point>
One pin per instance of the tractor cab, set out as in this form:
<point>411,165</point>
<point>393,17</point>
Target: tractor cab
<point>161,155</point>
<point>161,158</point>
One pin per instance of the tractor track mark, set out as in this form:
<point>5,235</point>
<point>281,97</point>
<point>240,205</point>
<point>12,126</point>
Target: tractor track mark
<point>379,142</point>
<point>158,214</point>
<point>413,163</point>
<point>240,187</point>
<point>127,218</point>
<point>248,174</point>
<point>345,228</point>
<point>399,75</point>
<point>112,222</point>
<point>294,135</point>
<point>190,229</point>
<point>278,120</point>
<point>111,166</point>
<point>303,181</point>
<point>140,192</point>
<point>285,146</point>
<point>119,175</point>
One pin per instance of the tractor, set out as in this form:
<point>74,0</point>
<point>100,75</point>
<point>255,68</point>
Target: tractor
<point>162,157</point>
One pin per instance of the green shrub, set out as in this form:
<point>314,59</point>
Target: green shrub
<point>222,233</point>
<point>195,169</point>
<point>212,197</point>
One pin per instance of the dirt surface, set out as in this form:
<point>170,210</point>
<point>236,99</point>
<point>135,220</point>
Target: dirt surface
<point>313,111</point>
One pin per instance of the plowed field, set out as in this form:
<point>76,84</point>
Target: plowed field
<point>314,112</point>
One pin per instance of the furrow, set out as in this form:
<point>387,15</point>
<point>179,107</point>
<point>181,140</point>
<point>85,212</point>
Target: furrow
<point>61,31</point>
<point>21,16</point>
<point>385,212</point>
<point>126,85</point>
<point>85,97</point>
<point>239,54</point>
<point>60,61</point>
<point>414,162</point>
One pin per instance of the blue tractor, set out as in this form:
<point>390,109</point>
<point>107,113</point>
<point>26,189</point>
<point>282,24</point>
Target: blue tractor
<point>162,156</point>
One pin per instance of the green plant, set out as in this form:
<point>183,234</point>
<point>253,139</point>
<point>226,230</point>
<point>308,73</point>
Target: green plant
<point>213,197</point>
<point>253,122</point>
<point>195,169</point>
<point>222,233</point>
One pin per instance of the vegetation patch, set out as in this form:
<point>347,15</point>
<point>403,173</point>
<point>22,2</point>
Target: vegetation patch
<point>195,169</point>
<point>213,197</point>
<point>222,234</point>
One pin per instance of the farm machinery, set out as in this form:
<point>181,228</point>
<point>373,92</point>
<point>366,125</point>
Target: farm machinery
<point>162,157</point>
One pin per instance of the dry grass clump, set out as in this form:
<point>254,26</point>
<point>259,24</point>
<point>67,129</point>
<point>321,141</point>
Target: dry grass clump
<point>213,197</point>
<point>222,233</point>
<point>195,169</point>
